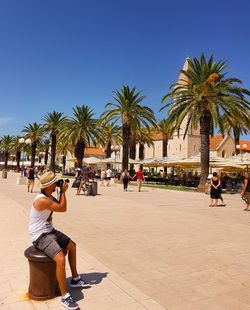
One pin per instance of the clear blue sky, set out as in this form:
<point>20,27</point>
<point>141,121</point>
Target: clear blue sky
<point>56,54</point>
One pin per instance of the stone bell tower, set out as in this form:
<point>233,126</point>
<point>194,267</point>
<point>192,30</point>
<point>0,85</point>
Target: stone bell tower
<point>178,146</point>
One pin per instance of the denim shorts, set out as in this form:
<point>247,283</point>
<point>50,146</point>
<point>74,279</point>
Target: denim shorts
<point>52,243</point>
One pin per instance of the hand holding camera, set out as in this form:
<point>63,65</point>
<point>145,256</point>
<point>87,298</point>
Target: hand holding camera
<point>62,184</point>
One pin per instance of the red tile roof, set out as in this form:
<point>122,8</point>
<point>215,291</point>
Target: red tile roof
<point>156,136</point>
<point>215,142</point>
<point>242,142</point>
<point>94,151</point>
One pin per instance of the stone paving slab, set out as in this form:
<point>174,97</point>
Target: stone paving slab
<point>153,250</point>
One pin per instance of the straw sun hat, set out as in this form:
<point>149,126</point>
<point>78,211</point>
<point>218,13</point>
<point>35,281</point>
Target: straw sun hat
<point>47,179</point>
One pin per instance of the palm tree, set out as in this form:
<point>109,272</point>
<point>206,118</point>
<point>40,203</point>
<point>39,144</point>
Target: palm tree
<point>40,151</point>
<point>204,95</point>
<point>16,146</point>
<point>6,145</point>
<point>82,130</point>
<point>130,113</point>
<point>231,123</point>
<point>34,132</point>
<point>164,129</point>
<point>144,136</point>
<point>54,123</point>
<point>110,135</point>
<point>132,145</point>
<point>63,147</point>
<point>45,146</point>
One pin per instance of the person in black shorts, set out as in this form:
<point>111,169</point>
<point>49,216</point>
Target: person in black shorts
<point>51,241</point>
<point>31,179</point>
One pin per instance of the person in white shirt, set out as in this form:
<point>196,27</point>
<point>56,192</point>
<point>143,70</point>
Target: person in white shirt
<point>51,241</point>
<point>103,177</point>
<point>108,176</point>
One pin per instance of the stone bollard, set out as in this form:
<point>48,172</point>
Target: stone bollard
<point>4,174</point>
<point>43,283</point>
<point>94,189</point>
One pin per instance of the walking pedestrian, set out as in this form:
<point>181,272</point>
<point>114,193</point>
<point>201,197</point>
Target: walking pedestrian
<point>31,179</point>
<point>102,177</point>
<point>245,193</point>
<point>108,176</point>
<point>125,176</point>
<point>139,176</point>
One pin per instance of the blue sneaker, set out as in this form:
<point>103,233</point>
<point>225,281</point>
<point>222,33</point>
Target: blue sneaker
<point>69,303</point>
<point>78,283</point>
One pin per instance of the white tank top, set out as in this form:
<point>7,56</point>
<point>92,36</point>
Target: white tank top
<point>38,221</point>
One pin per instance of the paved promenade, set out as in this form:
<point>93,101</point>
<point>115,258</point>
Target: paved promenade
<point>152,250</point>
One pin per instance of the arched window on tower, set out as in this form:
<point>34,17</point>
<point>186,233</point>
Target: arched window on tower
<point>223,154</point>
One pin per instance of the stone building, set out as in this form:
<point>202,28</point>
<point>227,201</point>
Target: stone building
<point>178,147</point>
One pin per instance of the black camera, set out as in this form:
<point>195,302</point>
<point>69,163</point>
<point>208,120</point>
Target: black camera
<point>60,182</point>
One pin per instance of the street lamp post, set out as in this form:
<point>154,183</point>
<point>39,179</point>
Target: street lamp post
<point>22,141</point>
<point>244,147</point>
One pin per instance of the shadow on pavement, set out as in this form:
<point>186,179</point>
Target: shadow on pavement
<point>92,278</point>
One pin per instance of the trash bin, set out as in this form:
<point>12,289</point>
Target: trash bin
<point>43,283</point>
<point>4,174</point>
<point>93,189</point>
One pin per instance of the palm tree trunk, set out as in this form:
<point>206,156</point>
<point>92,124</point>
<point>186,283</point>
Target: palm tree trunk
<point>64,163</point>
<point>205,132</point>
<point>165,151</point>
<point>108,150</point>
<point>141,151</point>
<point>165,146</point>
<point>79,152</point>
<point>125,145</point>
<point>236,140</point>
<point>33,154</point>
<point>132,149</point>
<point>108,153</point>
<point>18,158</point>
<point>46,156</point>
<point>53,152</point>
<point>6,158</point>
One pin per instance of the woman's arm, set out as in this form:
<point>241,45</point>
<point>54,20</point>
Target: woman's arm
<point>211,183</point>
<point>218,184</point>
<point>244,187</point>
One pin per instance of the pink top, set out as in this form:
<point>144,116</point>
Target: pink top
<point>139,175</point>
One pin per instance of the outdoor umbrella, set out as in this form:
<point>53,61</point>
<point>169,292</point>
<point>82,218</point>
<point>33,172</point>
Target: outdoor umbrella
<point>92,160</point>
<point>112,160</point>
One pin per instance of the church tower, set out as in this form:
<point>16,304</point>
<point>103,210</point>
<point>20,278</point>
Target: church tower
<point>178,146</point>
